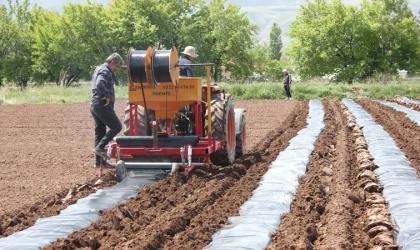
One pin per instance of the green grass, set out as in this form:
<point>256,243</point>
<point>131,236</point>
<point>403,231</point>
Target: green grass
<point>51,94</point>
<point>267,90</point>
<point>311,90</point>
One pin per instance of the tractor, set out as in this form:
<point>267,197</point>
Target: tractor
<point>175,123</point>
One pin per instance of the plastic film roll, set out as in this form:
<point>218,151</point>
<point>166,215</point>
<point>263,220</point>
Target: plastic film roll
<point>137,66</point>
<point>160,66</point>
<point>153,66</point>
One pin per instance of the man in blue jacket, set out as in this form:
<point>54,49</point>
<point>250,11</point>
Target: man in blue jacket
<point>186,58</point>
<point>102,105</point>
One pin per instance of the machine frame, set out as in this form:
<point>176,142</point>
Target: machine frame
<point>186,154</point>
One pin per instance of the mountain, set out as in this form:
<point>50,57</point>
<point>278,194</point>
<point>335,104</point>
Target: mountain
<point>261,12</point>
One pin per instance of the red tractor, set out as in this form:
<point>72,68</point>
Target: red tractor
<point>174,122</point>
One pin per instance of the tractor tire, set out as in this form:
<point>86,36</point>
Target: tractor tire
<point>223,128</point>
<point>241,140</point>
<point>142,120</point>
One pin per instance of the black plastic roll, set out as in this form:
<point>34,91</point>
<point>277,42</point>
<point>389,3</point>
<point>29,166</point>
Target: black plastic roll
<point>160,66</point>
<point>137,66</point>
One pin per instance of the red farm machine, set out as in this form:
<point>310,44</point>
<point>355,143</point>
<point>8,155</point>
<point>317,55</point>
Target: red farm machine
<point>172,122</point>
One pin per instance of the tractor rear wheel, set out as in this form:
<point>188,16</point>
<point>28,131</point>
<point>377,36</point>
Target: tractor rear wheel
<point>223,128</point>
<point>142,120</point>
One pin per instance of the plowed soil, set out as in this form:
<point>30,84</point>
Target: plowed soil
<point>405,132</point>
<point>46,162</point>
<point>405,103</point>
<point>173,215</point>
<point>333,207</point>
<point>323,216</point>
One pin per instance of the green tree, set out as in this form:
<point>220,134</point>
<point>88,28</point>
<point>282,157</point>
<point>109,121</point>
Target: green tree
<point>85,43</point>
<point>260,58</point>
<point>131,24</point>
<point>353,42</point>
<point>394,29</point>
<point>46,50</point>
<point>225,38</point>
<point>143,23</point>
<point>67,47</point>
<point>396,9</point>
<point>139,24</point>
<point>15,43</point>
<point>275,67</point>
<point>5,34</point>
<point>276,43</point>
<point>325,39</point>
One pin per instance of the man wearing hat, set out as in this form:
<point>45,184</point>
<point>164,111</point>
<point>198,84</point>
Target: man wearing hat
<point>102,105</point>
<point>287,82</point>
<point>186,58</point>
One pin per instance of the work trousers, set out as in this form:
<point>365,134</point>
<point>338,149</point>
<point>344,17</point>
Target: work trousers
<point>104,116</point>
<point>287,89</point>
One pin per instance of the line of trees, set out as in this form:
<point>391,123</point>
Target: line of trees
<point>41,45</point>
<point>350,42</point>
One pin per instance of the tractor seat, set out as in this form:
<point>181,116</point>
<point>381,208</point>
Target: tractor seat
<point>163,142</point>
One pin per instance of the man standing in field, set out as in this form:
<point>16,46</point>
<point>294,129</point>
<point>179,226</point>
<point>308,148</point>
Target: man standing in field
<point>102,105</point>
<point>287,82</point>
<point>186,58</point>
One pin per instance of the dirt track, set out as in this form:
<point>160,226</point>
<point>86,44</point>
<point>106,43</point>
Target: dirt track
<point>331,208</point>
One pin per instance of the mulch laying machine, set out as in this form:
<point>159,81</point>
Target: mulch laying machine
<point>174,123</point>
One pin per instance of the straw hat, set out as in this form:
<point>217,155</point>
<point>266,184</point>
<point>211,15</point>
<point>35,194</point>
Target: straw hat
<point>284,70</point>
<point>189,50</point>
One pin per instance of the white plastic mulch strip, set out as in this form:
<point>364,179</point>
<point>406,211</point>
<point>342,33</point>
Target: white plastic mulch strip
<point>79,215</point>
<point>399,179</point>
<point>260,215</point>
<point>413,115</point>
<point>409,100</point>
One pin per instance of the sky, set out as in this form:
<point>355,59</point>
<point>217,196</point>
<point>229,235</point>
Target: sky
<point>57,4</point>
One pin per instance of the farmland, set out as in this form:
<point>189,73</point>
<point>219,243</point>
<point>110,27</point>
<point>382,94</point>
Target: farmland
<point>46,165</point>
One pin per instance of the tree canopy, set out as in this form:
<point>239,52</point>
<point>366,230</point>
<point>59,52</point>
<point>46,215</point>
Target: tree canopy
<point>328,37</point>
<point>64,47</point>
<point>67,46</point>
<point>352,42</point>
<point>15,42</point>
<point>276,43</point>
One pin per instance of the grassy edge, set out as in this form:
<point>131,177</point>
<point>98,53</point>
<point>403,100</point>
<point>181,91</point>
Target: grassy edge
<point>266,90</point>
<point>305,90</point>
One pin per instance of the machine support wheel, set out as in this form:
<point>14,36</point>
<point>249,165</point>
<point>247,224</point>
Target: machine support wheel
<point>120,171</point>
<point>241,140</point>
<point>223,127</point>
<point>142,121</point>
